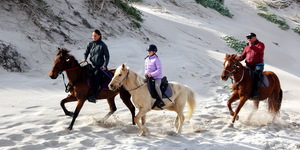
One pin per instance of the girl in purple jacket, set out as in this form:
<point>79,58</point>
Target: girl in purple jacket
<point>153,70</point>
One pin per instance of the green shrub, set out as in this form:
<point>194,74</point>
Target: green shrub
<point>297,30</point>
<point>137,24</point>
<point>262,7</point>
<point>130,10</point>
<point>234,43</point>
<point>215,4</point>
<point>273,18</point>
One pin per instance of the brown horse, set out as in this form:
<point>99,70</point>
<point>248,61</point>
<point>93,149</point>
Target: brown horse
<point>242,87</point>
<point>79,87</point>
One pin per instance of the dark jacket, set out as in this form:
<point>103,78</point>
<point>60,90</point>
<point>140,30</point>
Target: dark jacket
<point>99,54</point>
<point>254,54</point>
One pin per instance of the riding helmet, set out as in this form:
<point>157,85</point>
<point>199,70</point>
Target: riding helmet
<point>152,47</point>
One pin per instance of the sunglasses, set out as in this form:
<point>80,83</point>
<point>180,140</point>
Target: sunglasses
<point>249,37</point>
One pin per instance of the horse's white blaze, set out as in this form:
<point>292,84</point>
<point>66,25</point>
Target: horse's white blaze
<point>226,64</point>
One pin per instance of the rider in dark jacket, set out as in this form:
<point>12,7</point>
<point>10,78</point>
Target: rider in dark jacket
<point>99,57</point>
<point>254,55</point>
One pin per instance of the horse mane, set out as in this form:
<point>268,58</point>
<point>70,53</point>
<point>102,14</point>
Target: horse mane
<point>140,80</point>
<point>65,52</point>
<point>62,51</point>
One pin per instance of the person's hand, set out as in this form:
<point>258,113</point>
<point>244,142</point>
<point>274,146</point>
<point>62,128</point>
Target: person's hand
<point>83,60</point>
<point>239,58</point>
<point>103,68</point>
<point>149,75</point>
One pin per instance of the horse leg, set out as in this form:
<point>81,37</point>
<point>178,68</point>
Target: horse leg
<point>70,98</point>
<point>176,122</point>
<point>271,107</point>
<point>256,103</point>
<point>180,121</point>
<point>232,99</point>
<point>238,108</point>
<point>142,112</point>
<point>77,110</point>
<point>125,96</point>
<point>112,105</point>
<point>143,118</point>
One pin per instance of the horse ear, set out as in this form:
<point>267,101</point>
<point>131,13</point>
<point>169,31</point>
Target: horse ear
<point>228,56</point>
<point>234,55</point>
<point>123,66</point>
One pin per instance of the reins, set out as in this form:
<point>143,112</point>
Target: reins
<point>241,77</point>
<point>234,71</point>
<point>66,85</point>
<point>61,72</point>
<point>126,78</point>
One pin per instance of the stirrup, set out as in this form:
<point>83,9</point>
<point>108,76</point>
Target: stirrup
<point>92,99</point>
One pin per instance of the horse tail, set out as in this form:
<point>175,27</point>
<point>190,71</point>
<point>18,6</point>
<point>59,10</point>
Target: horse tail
<point>191,101</point>
<point>275,99</point>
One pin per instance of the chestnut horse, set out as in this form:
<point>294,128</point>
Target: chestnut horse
<point>79,88</point>
<point>242,87</point>
<point>143,100</point>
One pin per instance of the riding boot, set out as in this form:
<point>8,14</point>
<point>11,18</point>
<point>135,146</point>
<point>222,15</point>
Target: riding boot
<point>94,96</point>
<point>159,103</point>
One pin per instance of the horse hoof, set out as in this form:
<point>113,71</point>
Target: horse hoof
<point>142,134</point>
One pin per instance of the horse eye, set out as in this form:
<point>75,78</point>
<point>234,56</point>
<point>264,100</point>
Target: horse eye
<point>120,75</point>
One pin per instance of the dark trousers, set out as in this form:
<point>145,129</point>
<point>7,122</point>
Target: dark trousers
<point>98,77</point>
<point>256,77</point>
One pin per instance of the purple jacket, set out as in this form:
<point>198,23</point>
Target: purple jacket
<point>153,66</point>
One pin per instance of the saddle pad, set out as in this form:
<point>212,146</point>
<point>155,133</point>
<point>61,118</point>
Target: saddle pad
<point>264,81</point>
<point>168,93</point>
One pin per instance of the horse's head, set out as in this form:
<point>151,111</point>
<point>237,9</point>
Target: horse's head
<point>120,76</point>
<point>231,64</point>
<point>62,61</point>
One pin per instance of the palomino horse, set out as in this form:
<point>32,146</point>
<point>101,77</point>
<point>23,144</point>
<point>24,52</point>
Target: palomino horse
<point>144,102</point>
<point>79,88</point>
<point>242,87</point>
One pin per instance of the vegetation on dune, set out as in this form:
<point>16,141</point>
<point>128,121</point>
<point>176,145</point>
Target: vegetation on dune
<point>234,43</point>
<point>216,5</point>
<point>272,17</point>
<point>131,11</point>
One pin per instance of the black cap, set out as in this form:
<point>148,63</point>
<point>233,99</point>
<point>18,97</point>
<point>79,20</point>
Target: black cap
<point>152,47</point>
<point>250,35</point>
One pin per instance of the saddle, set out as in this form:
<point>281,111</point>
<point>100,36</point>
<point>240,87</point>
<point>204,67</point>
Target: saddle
<point>165,88</point>
<point>106,78</point>
<point>264,82</point>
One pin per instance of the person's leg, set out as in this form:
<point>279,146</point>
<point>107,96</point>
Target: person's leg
<point>159,101</point>
<point>256,79</point>
<point>96,84</point>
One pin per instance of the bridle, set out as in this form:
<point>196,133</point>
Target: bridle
<point>61,70</point>
<point>231,73</point>
<point>126,77</point>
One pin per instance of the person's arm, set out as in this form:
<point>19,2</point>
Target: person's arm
<point>106,55</point>
<point>87,51</point>
<point>258,47</point>
<point>158,71</point>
